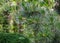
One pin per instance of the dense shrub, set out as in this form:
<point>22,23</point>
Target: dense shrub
<point>35,19</point>
<point>12,38</point>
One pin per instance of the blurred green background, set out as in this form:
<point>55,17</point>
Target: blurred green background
<point>35,21</point>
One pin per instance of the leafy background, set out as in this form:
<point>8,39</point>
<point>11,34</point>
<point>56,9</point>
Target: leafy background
<point>35,19</point>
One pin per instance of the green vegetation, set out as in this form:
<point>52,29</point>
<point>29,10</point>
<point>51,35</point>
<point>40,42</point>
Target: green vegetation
<point>36,20</point>
<point>12,38</point>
